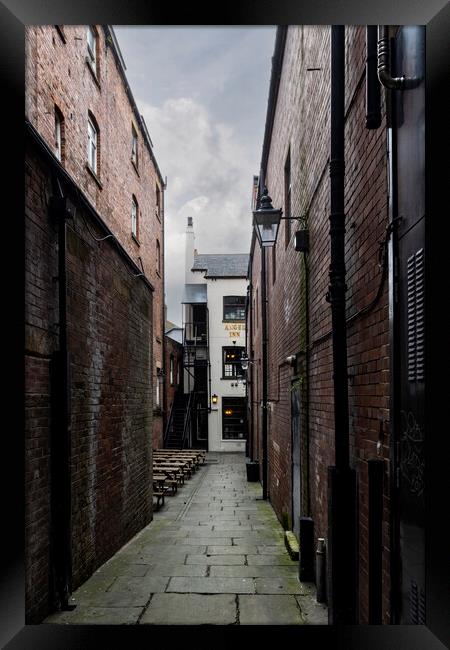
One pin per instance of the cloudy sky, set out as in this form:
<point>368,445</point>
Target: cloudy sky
<point>203,93</point>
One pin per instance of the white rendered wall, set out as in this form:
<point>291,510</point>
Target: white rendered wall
<point>222,335</point>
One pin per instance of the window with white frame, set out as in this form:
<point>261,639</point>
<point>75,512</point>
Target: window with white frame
<point>234,308</point>
<point>134,146</point>
<point>231,362</point>
<point>92,48</point>
<point>92,145</point>
<point>134,217</point>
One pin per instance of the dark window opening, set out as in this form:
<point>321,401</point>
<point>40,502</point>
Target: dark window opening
<point>233,418</point>
<point>234,308</point>
<point>231,362</point>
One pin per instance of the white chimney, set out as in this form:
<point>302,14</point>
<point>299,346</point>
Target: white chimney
<point>189,251</point>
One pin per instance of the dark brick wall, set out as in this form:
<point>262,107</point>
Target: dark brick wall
<point>111,390</point>
<point>57,74</point>
<point>302,123</point>
<point>175,350</point>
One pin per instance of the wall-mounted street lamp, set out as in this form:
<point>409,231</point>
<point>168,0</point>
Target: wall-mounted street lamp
<point>266,221</point>
<point>214,399</point>
<point>245,361</point>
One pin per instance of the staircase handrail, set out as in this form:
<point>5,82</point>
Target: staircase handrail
<point>187,419</point>
<point>169,422</point>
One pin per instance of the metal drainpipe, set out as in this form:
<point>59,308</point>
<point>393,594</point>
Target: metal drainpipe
<point>61,496</point>
<point>264,369</point>
<point>373,95</point>
<point>342,575</point>
<point>384,68</point>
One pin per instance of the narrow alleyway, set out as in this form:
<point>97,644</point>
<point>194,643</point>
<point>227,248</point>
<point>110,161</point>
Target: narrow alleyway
<point>214,554</point>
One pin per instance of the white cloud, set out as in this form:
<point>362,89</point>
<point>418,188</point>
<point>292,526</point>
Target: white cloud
<point>209,177</point>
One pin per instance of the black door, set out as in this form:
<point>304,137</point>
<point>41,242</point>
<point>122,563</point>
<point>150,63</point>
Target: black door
<point>409,334</point>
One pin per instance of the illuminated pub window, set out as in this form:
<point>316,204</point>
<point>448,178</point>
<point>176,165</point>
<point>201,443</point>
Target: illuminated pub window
<point>234,308</point>
<point>233,418</point>
<point>231,366</point>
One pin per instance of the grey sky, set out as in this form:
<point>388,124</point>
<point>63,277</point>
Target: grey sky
<point>203,93</point>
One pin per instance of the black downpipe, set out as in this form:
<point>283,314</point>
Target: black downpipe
<point>264,369</point>
<point>342,546</point>
<point>337,288</point>
<point>376,470</point>
<point>373,94</point>
<point>61,505</point>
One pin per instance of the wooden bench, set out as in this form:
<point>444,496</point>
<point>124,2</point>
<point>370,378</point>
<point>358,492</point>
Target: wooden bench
<point>159,491</point>
<point>167,481</point>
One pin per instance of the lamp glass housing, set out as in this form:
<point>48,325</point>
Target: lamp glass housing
<point>267,223</point>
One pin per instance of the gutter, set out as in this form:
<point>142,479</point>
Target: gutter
<point>277,63</point>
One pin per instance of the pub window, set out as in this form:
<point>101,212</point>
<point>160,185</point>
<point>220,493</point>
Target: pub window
<point>234,308</point>
<point>233,418</point>
<point>231,362</point>
<point>134,217</point>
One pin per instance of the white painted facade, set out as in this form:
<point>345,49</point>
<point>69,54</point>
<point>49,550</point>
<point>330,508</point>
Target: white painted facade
<point>221,334</point>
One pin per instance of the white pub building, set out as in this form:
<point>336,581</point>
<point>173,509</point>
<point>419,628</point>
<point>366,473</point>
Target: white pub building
<point>214,341</point>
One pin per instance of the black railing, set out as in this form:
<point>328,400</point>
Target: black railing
<point>169,425</point>
<point>187,420</point>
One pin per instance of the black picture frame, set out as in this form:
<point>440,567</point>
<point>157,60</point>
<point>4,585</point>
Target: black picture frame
<point>14,14</point>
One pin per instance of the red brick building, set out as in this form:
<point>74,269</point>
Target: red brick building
<point>94,310</point>
<point>173,363</point>
<point>77,96</point>
<point>300,410</point>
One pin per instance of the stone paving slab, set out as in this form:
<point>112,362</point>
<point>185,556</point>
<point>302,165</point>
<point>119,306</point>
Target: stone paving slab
<point>215,559</point>
<point>269,559</point>
<point>274,585</point>
<point>313,613</point>
<point>194,543</point>
<point>212,585</point>
<point>178,570</point>
<point>149,584</point>
<point>230,550</point>
<point>97,615</point>
<point>190,609</point>
<point>269,610</point>
<point>263,571</point>
<point>132,570</point>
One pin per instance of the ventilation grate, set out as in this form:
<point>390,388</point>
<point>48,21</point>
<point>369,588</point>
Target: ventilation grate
<point>416,316</point>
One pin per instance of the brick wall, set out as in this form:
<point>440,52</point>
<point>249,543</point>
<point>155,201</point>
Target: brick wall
<point>302,124</point>
<point>173,350</point>
<point>57,74</point>
<point>111,400</point>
